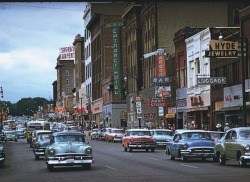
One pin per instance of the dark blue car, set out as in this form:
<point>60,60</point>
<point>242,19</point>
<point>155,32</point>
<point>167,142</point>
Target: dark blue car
<point>188,144</point>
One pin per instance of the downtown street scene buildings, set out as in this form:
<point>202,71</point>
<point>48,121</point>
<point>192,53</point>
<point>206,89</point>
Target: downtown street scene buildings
<point>157,65</point>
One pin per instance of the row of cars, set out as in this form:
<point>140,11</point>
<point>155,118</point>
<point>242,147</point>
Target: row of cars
<point>62,148</point>
<point>234,145</point>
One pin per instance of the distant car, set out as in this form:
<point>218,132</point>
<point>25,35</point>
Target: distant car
<point>68,148</point>
<point>95,134</point>
<point>234,146</point>
<point>20,133</point>
<point>41,141</point>
<point>162,136</point>
<point>189,144</point>
<point>115,135</point>
<point>10,136</point>
<point>138,139</point>
<point>2,154</point>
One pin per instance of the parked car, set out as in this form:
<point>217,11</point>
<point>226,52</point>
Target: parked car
<point>41,141</point>
<point>234,146</point>
<point>68,148</point>
<point>138,139</point>
<point>162,136</point>
<point>10,136</point>
<point>105,133</point>
<point>188,144</point>
<point>115,135</point>
<point>95,134</point>
<point>2,154</point>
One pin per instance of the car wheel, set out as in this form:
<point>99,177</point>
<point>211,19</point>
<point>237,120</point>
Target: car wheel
<point>171,157</point>
<point>2,163</point>
<point>242,162</point>
<point>183,159</point>
<point>36,157</point>
<point>222,159</point>
<point>130,149</point>
<point>215,159</point>
<point>50,167</point>
<point>152,149</point>
<point>16,140</point>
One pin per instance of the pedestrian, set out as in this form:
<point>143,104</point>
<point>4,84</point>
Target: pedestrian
<point>227,127</point>
<point>218,127</point>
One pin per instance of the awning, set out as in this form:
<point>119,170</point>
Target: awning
<point>197,109</point>
<point>235,108</point>
<point>172,115</point>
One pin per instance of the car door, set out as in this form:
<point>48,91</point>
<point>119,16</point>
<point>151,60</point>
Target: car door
<point>232,145</point>
<point>175,146</point>
<point>227,144</point>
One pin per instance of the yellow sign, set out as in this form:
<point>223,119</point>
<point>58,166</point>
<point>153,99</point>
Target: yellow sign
<point>170,116</point>
<point>222,49</point>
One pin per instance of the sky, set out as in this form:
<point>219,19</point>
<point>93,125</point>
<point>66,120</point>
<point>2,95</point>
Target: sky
<point>31,35</point>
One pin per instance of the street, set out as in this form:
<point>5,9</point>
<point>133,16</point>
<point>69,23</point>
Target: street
<point>112,164</point>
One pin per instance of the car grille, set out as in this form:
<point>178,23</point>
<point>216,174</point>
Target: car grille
<point>74,156</point>
<point>202,150</point>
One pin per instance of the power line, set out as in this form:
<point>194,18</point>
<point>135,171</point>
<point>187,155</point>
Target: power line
<point>14,4</point>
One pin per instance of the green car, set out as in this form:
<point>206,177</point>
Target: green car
<point>68,148</point>
<point>234,146</point>
<point>10,136</point>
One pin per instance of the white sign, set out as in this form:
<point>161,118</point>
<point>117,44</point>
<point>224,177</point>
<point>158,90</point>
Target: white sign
<point>67,53</point>
<point>138,109</point>
<point>161,111</point>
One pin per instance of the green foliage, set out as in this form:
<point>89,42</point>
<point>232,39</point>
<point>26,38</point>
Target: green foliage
<point>27,106</point>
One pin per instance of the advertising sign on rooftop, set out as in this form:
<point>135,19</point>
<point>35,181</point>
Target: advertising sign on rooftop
<point>67,53</point>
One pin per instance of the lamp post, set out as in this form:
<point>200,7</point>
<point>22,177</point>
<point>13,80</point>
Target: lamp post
<point>1,93</point>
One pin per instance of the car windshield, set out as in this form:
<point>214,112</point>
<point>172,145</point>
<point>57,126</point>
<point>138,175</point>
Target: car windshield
<point>163,133</point>
<point>43,137</point>
<point>195,135</point>
<point>244,135</point>
<point>68,138</point>
<point>140,133</point>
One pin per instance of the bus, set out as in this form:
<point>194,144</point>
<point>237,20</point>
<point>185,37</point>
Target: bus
<point>36,125</point>
<point>11,123</point>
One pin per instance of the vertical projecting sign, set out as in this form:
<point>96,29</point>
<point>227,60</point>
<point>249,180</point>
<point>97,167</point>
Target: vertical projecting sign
<point>116,54</point>
<point>160,66</point>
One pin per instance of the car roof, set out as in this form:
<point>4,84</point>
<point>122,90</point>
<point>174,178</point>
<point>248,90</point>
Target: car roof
<point>160,130</point>
<point>136,129</point>
<point>189,131</point>
<point>240,128</point>
<point>66,132</point>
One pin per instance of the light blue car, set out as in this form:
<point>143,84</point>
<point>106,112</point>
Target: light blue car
<point>190,144</point>
<point>68,148</point>
<point>162,136</point>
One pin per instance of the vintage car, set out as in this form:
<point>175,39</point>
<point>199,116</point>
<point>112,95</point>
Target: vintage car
<point>138,139</point>
<point>95,134</point>
<point>20,133</point>
<point>162,136</point>
<point>2,154</point>
<point>10,136</point>
<point>234,146</point>
<point>41,141</point>
<point>68,148</point>
<point>188,144</point>
<point>115,135</point>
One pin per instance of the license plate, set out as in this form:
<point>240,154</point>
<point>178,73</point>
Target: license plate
<point>70,160</point>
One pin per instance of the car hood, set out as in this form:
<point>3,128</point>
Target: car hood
<point>200,143</point>
<point>69,147</point>
<point>43,143</point>
<point>163,137</point>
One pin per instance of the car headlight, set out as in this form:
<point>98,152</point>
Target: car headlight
<point>51,151</point>
<point>184,146</point>
<point>88,151</point>
<point>247,147</point>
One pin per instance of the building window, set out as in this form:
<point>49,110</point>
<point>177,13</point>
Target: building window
<point>66,72</point>
<point>67,81</point>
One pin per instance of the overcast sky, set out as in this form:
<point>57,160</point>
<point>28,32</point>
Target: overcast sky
<point>30,37</point>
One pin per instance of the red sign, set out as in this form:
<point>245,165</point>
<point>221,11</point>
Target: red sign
<point>160,66</point>
<point>137,98</point>
<point>155,102</point>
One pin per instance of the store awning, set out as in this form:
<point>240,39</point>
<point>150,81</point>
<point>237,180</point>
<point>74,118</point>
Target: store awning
<point>197,109</point>
<point>235,108</point>
<point>172,115</point>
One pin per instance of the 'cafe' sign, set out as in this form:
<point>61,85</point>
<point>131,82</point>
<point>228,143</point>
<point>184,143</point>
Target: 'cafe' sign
<point>222,49</point>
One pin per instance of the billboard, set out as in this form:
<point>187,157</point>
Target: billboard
<point>67,53</point>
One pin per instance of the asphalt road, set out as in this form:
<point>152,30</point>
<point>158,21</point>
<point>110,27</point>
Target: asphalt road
<point>112,164</point>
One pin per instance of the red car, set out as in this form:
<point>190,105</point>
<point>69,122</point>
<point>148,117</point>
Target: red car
<point>138,139</point>
<point>115,135</point>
